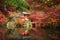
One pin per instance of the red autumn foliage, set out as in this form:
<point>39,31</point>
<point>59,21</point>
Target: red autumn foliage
<point>2,18</point>
<point>45,17</point>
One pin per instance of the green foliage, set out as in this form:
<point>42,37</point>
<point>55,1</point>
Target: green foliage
<point>18,4</point>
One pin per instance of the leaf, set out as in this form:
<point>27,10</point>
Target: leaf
<point>18,4</point>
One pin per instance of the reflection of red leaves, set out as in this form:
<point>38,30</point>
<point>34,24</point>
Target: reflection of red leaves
<point>25,32</point>
<point>36,31</point>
